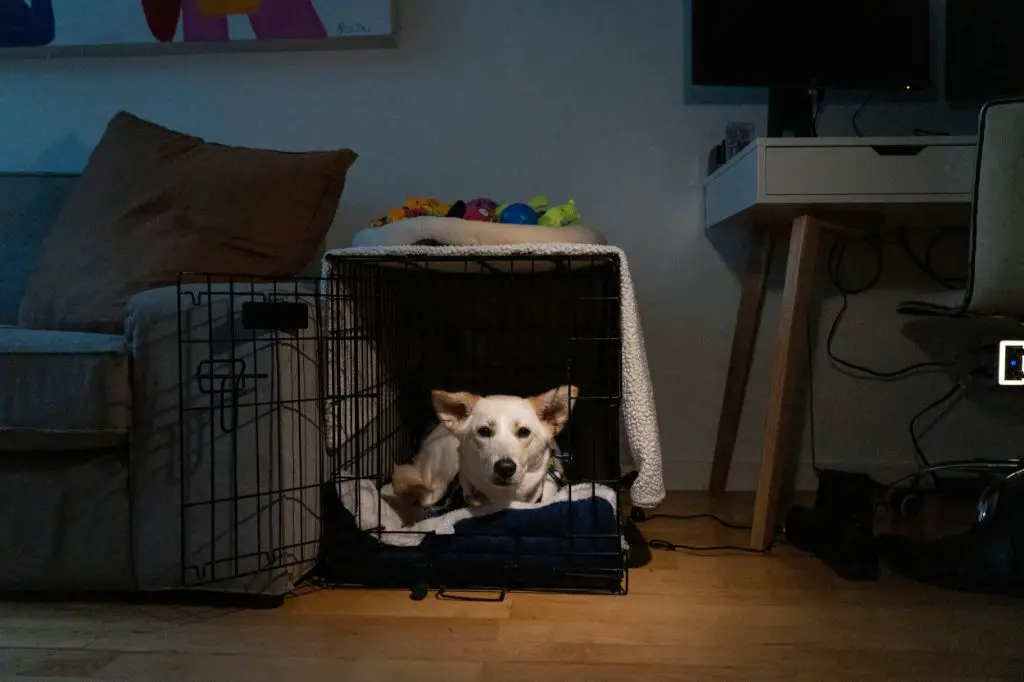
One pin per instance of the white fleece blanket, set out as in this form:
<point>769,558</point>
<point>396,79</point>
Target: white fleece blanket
<point>638,407</point>
<point>378,511</point>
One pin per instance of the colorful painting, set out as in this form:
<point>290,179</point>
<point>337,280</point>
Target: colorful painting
<point>84,23</point>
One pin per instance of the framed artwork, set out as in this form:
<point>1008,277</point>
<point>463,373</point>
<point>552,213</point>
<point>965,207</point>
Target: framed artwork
<point>109,26</point>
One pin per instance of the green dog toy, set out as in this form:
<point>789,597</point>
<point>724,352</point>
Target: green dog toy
<point>560,216</point>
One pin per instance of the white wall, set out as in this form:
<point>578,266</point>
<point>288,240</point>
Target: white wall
<point>570,98</point>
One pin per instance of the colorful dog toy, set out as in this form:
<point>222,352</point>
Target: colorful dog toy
<point>481,208</point>
<point>539,204</point>
<point>417,206</point>
<point>560,216</point>
<point>413,207</point>
<point>519,214</point>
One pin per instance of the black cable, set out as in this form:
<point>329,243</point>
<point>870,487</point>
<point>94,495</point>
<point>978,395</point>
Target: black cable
<point>980,466</point>
<point>810,399</point>
<point>836,255</point>
<point>955,390</point>
<point>820,107</point>
<point>856,114</point>
<point>949,400</point>
<point>667,546</point>
<point>673,547</point>
<point>692,517</point>
<point>927,264</point>
<point>835,260</point>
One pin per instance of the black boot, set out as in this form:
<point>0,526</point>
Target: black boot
<point>839,528</point>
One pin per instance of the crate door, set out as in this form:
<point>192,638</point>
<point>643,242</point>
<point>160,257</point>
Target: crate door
<point>252,447</point>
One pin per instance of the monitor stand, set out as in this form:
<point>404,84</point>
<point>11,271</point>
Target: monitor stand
<point>790,113</point>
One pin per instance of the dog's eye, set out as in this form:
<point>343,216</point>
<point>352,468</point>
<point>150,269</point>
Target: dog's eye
<point>523,432</point>
<point>484,432</point>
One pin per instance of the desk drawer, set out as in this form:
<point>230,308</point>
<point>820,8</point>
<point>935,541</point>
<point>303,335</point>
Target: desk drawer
<point>881,169</point>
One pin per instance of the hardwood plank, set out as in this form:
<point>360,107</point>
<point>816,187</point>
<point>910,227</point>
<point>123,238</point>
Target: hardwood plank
<point>828,667</point>
<point>869,631</point>
<point>248,668</point>
<point>73,663</point>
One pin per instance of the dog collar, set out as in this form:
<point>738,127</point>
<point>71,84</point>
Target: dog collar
<point>452,499</point>
<point>557,453</point>
<point>555,474</point>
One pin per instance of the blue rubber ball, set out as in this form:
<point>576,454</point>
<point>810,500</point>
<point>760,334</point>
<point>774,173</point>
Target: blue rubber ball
<point>519,214</point>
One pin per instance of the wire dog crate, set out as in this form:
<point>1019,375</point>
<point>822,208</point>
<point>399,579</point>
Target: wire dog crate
<point>316,390</point>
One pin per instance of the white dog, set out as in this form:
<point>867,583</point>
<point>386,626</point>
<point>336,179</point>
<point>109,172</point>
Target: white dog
<point>499,446</point>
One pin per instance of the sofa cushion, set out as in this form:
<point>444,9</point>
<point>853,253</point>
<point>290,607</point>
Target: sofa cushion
<point>62,390</point>
<point>153,203</point>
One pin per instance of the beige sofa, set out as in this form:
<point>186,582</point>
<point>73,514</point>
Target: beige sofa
<point>102,487</point>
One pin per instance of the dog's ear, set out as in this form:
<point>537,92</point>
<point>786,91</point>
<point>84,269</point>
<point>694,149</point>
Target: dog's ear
<point>553,407</point>
<point>453,408</point>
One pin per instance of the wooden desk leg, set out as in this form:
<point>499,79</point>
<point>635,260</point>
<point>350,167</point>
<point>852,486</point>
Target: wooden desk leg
<point>744,338</point>
<point>782,403</point>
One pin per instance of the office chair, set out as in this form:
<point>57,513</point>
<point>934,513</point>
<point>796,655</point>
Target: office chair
<point>995,280</point>
<point>990,555</point>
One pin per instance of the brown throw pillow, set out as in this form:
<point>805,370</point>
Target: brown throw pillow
<point>153,202</point>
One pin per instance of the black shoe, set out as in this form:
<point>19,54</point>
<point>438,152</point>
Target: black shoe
<point>848,548</point>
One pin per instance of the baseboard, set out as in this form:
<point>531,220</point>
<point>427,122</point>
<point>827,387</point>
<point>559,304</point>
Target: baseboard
<point>743,475</point>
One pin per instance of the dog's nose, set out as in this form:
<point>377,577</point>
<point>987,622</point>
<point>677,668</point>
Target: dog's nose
<point>505,468</point>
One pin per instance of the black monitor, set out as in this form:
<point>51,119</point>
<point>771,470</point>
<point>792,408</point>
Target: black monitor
<point>793,46</point>
<point>984,50</point>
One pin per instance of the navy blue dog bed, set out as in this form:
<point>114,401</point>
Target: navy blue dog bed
<point>575,539</point>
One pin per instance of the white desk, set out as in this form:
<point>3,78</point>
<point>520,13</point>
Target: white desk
<point>803,186</point>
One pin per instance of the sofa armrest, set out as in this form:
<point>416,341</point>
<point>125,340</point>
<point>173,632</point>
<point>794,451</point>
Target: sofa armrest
<point>227,451</point>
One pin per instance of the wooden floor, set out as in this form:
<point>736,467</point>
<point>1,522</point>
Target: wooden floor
<point>782,616</point>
